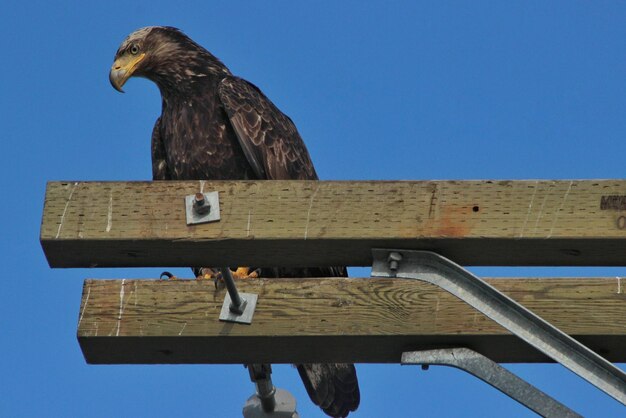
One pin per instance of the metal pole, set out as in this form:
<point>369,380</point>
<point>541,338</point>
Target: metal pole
<point>238,304</point>
<point>261,375</point>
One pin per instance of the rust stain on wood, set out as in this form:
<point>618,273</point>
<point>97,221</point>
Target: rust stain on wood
<point>515,222</point>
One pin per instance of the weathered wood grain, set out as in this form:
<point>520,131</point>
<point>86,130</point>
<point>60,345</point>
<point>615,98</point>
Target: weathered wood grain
<point>296,223</point>
<point>333,320</point>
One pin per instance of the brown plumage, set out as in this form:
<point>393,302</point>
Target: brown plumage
<point>216,126</point>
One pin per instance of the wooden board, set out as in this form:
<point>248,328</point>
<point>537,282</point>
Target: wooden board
<point>309,223</point>
<point>333,320</point>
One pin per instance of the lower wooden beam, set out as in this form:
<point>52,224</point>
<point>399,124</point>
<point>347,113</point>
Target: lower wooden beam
<point>333,320</point>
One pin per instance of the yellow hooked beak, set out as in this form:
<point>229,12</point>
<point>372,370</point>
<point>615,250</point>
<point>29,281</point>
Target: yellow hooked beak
<point>123,69</point>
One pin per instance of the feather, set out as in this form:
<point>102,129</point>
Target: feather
<point>333,387</point>
<point>268,138</point>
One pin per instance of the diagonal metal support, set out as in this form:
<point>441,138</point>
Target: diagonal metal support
<point>492,373</point>
<point>440,271</point>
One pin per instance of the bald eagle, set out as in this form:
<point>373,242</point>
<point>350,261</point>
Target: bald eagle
<point>216,126</point>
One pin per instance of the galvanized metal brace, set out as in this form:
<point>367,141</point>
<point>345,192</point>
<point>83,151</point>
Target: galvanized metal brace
<point>492,373</point>
<point>440,271</point>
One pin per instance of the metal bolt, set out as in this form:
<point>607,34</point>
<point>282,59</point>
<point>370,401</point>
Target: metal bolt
<point>199,204</point>
<point>394,259</point>
<point>261,375</point>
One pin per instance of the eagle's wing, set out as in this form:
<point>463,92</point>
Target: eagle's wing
<point>275,150</point>
<point>271,143</point>
<point>159,161</point>
<point>268,137</point>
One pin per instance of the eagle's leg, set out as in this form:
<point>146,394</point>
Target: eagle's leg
<point>205,273</point>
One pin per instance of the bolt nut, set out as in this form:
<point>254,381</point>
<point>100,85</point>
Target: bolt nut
<point>199,204</point>
<point>394,259</point>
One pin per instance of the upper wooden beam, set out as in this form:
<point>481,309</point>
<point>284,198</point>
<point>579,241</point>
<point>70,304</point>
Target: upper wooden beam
<point>334,320</point>
<point>296,223</point>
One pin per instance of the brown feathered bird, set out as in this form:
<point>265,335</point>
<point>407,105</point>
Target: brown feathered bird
<point>216,126</point>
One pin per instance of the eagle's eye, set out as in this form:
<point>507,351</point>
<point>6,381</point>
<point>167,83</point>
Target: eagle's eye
<point>134,49</point>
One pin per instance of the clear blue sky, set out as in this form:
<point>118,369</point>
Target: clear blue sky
<point>437,90</point>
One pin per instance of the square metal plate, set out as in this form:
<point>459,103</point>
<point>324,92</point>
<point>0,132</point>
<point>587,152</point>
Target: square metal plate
<point>246,316</point>
<point>212,199</point>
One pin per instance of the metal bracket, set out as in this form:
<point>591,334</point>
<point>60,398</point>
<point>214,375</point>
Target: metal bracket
<point>285,406</point>
<point>440,271</point>
<point>202,208</point>
<point>268,401</point>
<point>245,317</point>
<point>495,375</point>
<point>237,307</point>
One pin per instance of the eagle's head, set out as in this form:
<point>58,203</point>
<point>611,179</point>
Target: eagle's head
<point>164,55</point>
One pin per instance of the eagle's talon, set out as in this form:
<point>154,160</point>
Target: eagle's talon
<point>244,273</point>
<point>167,275</point>
<point>218,280</point>
<point>206,273</point>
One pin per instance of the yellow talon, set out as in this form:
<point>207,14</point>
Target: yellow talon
<point>244,273</point>
<point>206,273</point>
<point>215,275</point>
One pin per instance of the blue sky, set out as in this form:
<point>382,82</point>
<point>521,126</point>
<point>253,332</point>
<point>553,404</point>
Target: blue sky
<point>383,90</point>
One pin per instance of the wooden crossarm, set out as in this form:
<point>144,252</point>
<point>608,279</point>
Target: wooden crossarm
<point>334,320</point>
<point>308,223</point>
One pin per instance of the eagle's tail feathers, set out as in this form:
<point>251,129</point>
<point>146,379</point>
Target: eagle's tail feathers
<point>333,387</point>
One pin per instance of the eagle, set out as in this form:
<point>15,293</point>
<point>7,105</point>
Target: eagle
<point>217,126</point>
